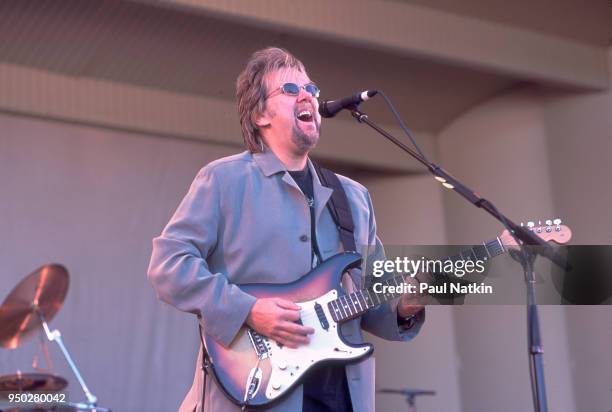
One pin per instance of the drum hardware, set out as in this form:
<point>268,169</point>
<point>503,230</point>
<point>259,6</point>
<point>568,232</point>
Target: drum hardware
<point>27,382</point>
<point>30,305</point>
<point>410,395</point>
<point>44,350</point>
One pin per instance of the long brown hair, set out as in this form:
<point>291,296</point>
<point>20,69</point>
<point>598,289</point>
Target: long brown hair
<point>251,90</point>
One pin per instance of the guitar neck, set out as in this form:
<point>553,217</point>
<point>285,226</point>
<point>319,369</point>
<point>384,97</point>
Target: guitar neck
<point>352,305</point>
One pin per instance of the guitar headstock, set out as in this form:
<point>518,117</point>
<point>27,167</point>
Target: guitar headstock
<point>549,231</point>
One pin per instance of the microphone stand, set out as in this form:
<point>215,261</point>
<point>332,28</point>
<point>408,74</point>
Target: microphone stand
<point>526,237</point>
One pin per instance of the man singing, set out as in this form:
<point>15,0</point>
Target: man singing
<point>261,216</point>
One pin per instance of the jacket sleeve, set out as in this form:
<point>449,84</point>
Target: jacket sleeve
<point>382,321</point>
<point>178,269</point>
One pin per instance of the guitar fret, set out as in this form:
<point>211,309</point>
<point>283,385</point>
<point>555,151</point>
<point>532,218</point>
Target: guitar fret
<point>334,310</point>
<point>384,294</point>
<point>368,299</point>
<point>346,306</point>
<point>494,247</point>
<point>365,304</point>
<point>396,294</point>
<point>490,249</point>
<point>350,302</point>
<point>484,246</point>
<point>388,295</point>
<point>354,301</point>
<point>501,245</point>
<point>480,252</point>
<point>371,301</point>
<point>401,281</point>
<point>341,309</point>
<point>356,297</point>
<point>376,296</point>
<point>393,280</point>
<point>343,314</point>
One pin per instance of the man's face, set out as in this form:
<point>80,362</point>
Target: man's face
<point>293,122</point>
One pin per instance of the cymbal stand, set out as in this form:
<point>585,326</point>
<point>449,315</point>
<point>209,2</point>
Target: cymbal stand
<point>56,336</point>
<point>44,350</point>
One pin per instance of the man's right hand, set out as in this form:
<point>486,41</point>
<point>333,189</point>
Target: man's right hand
<point>276,318</point>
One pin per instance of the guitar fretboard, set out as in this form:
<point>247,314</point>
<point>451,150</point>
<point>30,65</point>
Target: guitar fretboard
<point>355,304</point>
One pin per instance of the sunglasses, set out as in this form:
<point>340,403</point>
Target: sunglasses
<point>292,89</point>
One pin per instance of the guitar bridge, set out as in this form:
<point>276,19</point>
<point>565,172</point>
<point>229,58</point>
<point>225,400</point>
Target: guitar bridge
<point>260,344</point>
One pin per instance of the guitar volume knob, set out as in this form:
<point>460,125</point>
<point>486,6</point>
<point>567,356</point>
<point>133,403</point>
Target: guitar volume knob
<point>276,386</point>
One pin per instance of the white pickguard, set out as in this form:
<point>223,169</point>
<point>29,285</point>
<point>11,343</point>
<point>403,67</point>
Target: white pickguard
<point>288,365</point>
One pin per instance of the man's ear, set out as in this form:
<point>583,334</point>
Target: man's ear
<point>261,120</point>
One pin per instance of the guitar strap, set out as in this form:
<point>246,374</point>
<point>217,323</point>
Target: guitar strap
<point>205,364</point>
<point>339,208</point>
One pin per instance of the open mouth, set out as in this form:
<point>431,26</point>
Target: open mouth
<point>305,116</point>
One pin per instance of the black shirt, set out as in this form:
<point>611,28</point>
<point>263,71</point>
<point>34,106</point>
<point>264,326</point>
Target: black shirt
<point>304,180</point>
<point>326,387</point>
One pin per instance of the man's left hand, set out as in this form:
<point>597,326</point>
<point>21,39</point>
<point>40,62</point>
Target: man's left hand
<point>410,303</point>
<point>407,307</point>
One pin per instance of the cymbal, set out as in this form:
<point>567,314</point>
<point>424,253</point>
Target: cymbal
<point>26,382</point>
<point>43,290</point>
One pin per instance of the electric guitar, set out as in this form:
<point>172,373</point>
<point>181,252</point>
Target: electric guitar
<point>255,371</point>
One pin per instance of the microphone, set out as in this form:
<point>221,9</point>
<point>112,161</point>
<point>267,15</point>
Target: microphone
<point>329,108</point>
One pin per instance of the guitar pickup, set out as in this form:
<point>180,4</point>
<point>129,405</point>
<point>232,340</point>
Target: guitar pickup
<point>321,315</point>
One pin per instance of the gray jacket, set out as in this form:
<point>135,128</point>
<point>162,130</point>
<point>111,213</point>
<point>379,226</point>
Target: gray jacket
<point>245,220</point>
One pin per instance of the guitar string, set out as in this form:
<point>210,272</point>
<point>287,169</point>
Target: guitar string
<point>351,303</point>
<point>309,314</point>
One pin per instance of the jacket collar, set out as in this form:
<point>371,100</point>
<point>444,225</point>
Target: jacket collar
<point>321,193</point>
<point>268,163</point>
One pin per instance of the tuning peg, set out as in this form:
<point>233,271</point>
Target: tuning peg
<point>548,226</point>
<point>522,224</point>
<point>557,221</point>
<point>530,224</point>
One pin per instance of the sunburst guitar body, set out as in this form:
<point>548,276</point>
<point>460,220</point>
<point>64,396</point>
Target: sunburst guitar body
<point>257,371</point>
